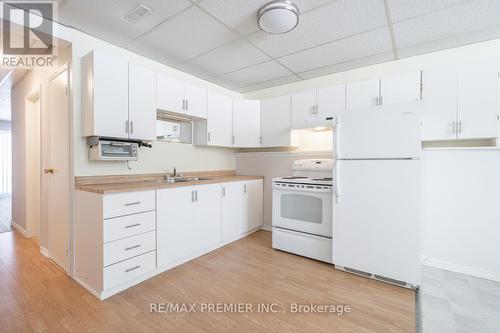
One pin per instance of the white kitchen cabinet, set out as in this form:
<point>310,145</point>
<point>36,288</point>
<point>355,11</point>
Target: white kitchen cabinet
<point>195,101</point>
<point>179,97</point>
<point>219,120</point>
<point>246,123</point>
<point>104,96</point>
<point>242,208</point>
<point>188,221</point>
<point>275,122</point>
<point>170,94</point>
<point>439,103</point>
<point>313,107</point>
<point>461,101</point>
<point>142,103</point>
<point>478,100</point>
<point>362,94</point>
<point>401,88</point>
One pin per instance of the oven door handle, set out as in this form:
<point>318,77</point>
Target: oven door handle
<point>337,181</point>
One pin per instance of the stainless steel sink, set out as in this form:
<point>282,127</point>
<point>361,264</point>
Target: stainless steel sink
<point>174,180</point>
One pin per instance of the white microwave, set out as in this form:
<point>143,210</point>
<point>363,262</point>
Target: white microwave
<point>110,150</point>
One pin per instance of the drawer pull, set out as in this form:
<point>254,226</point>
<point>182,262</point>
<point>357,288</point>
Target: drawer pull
<point>132,269</point>
<point>133,203</point>
<point>132,225</point>
<point>132,247</point>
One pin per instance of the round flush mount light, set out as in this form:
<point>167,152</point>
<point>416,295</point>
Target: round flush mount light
<point>278,17</point>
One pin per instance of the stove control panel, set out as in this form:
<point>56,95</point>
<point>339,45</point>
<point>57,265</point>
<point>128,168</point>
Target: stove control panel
<point>313,164</point>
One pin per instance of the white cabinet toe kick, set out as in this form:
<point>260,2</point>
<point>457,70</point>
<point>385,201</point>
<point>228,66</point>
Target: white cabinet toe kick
<point>122,239</point>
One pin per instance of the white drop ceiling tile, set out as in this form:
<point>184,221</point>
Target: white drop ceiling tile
<point>404,9</point>
<point>355,47</point>
<point>271,83</point>
<point>241,15</point>
<point>469,17</point>
<point>252,75</point>
<point>104,19</point>
<point>449,43</point>
<point>337,20</point>
<point>354,64</point>
<point>184,36</point>
<point>228,58</point>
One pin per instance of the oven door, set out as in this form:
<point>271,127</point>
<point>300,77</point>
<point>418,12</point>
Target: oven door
<point>303,210</point>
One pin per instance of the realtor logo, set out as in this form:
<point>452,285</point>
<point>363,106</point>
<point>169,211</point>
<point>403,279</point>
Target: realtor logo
<point>27,33</point>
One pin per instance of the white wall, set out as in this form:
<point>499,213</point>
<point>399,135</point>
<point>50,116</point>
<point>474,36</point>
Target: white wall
<point>461,210</point>
<point>271,165</point>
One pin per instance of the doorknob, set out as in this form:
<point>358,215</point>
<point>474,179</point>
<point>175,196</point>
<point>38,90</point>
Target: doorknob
<point>48,170</point>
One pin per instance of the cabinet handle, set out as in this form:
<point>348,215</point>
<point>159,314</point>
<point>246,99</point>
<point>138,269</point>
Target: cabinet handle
<point>184,104</point>
<point>131,127</point>
<point>132,269</point>
<point>133,203</point>
<point>126,126</point>
<point>208,136</point>
<point>232,139</point>
<point>132,247</point>
<point>192,196</point>
<point>196,195</point>
<point>132,225</point>
<point>381,100</point>
<point>245,188</point>
<point>459,127</point>
<point>376,101</point>
<point>187,104</point>
<point>223,191</point>
<point>312,109</point>
<point>454,127</point>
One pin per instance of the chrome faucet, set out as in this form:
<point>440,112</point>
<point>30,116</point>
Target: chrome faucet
<point>175,173</point>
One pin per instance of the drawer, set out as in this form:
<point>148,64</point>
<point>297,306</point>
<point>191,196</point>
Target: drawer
<point>120,204</point>
<point>131,269</point>
<point>128,247</point>
<point>306,245</point>
<point>130,225</point>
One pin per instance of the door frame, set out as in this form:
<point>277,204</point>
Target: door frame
<point>67,67</point>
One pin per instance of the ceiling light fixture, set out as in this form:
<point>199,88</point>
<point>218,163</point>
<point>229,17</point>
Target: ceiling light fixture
<point>278,17</point>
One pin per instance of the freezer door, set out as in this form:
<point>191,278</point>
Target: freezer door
<point>376,218</point>
<point>391,131</point>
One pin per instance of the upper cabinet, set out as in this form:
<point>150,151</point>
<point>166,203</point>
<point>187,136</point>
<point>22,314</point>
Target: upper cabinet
<point>246,123</point>
<point>275,122</point>
<point>461,102</point>
<point>219,120</point>
<point>316,106</point>
<point>118,99</point>
<point>176,96</point>
<point>362,94</point>
<point>104,96</point>
<point>402,88</point>
<point>142,103</point>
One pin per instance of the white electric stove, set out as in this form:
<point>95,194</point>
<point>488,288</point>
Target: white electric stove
<point>302,209</point>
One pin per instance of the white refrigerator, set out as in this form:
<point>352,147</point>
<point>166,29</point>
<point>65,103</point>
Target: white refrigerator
<point>376,198</point>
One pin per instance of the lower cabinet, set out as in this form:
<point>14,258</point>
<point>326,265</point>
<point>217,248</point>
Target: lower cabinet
<point>242,208</point>
<point>188,221</point>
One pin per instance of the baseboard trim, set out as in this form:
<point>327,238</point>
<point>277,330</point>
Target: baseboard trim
<point>20,229</point>
<point>44,252</point>
<point>266,227</point>
<point>467,270</point>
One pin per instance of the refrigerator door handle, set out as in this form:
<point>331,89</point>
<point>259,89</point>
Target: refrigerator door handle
<point>337,181</point>
<point>337,138</point>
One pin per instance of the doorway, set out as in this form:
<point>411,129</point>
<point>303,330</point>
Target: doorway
<point>5,153</point>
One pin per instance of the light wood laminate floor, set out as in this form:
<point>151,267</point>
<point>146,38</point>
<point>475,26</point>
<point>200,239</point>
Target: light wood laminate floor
<point>35,296</point>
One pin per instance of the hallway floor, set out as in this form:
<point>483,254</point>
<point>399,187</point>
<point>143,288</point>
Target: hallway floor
<point>5,214</point>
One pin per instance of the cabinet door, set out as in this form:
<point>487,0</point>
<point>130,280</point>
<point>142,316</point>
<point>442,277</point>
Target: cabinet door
<point>232,210</point>
<point>175,225</point>
<point>196,101</point>
<point>401,88</point>
<point>170,94</point>
<point>275,122</point>
<point>207,217</point>
<point>362,94</point>
<point>303,107</point>
<point>142,103</point>
<point>108,87</point>
<point>246,123</point>
<point>219,121</point>
<point>253,213</point>
<point>478,100</point>
<point>330,101</point>
<point>439,103</point>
